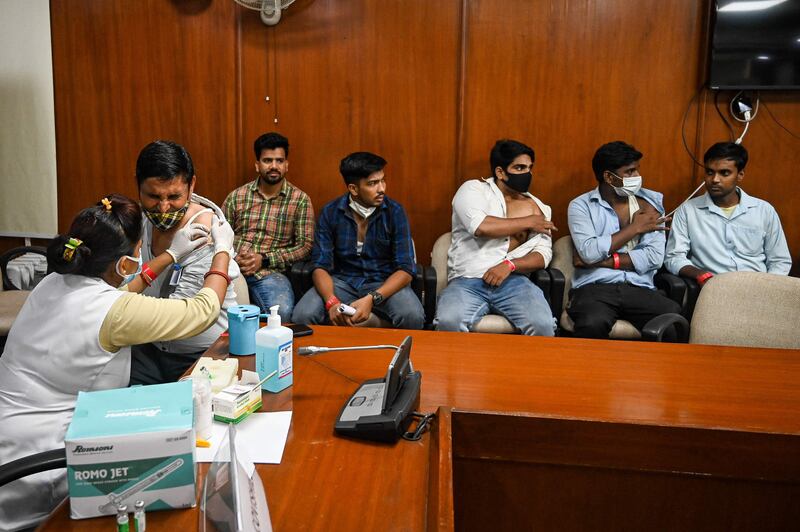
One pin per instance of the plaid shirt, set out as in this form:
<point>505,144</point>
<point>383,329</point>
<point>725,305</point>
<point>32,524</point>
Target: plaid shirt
<point>282,227</point>
<point>387,243</point>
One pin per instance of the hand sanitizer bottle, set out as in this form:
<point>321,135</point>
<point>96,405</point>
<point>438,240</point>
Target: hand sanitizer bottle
<point>274,352</point>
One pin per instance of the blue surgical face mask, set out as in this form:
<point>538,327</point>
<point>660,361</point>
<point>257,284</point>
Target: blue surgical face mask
<point>127,278</point>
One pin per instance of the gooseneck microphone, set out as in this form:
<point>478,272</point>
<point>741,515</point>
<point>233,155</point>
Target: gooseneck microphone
<point>313,349</point>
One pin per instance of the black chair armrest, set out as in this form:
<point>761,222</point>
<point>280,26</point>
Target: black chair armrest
<point>10,255</point>
<point>300,278</point>
<point>692,293</point>
<point>558,284</point>
<point>673,286</point>
<point>429,293</point>
<point>666,328</point>
<point>541,278</point>
<point>35,463</point>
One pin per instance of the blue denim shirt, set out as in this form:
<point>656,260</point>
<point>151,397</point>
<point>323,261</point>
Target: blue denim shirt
<point>592,221</point>
<point>387,243</point>
<point>751,239</point>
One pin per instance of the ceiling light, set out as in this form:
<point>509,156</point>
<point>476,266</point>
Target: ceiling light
<point>750,5</point>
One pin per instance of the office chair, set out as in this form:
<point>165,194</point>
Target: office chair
<point>12,297</point>
<point>35,463</point>
<point>562,270</point>
<point>242,292</point>
<point>490,323</point>
<point>750,309</point>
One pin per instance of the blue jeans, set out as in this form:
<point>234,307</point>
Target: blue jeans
<point>274,289</point>
<point>403,309</point>
<point>465,301</point>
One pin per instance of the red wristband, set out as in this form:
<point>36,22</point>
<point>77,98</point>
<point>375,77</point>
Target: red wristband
<point>331,302</point>
<point>703,278</point>
<point>510,264</point>
<point>615,256</point>
<point>147,274</point>
<point>217,272</point>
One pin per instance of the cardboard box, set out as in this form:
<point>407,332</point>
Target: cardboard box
<point>236,402</point>
<point>131,444</point>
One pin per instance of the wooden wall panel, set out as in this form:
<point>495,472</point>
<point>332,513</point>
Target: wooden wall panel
<point>568,76</point>
<point>428,85</point>
<point>359,75</point>
<point>127,73</point>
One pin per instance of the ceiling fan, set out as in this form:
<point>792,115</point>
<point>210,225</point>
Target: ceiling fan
<point>270,10</point>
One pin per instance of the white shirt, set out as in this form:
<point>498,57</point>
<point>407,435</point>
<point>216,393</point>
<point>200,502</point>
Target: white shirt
<point>471,256</point>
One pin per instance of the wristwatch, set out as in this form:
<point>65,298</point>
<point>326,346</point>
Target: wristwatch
<point>264,260</point>
<point>377,297</point>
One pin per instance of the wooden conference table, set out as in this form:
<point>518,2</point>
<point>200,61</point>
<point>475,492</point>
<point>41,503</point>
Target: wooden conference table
<point>545,433</point>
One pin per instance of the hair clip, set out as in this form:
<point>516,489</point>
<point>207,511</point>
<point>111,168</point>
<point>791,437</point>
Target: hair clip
<point>71,245</point>
<point>107,203</point>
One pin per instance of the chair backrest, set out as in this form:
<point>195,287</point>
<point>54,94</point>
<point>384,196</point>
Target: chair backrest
<point>240,287</point>
<point>748,309</point>
<point>439,260</point>
<point>562,260</point>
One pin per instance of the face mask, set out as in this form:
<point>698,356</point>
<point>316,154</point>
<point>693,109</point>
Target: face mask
<point>127,278</point>
<point>519,182</point>
<point>630,185</point>
<point>164,221</point>
<point>364,212</point>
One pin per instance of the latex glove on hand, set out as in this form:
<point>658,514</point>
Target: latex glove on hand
<point>186,240</point>
<point>222,233</point>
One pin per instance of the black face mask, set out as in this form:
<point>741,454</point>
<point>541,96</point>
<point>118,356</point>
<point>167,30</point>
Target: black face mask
<point>519,182</point>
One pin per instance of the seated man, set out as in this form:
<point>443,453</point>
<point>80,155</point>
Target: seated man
<point>274,225</point>
<point>500,233</point>
<point>725,230</point>
<point>363,254</point>
<point>165,176</point>
<point>618,233</point>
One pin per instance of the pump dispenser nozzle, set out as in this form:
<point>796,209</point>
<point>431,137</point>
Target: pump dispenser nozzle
<point>274,319</point>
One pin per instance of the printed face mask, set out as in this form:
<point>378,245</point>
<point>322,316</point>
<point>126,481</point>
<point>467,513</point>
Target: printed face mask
<point>630,185</point>
<point>127,278</point>
<point>164,221</point>
<point>519,182</point>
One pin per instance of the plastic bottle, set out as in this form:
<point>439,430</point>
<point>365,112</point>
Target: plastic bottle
<point>203,416</point>
<point>274,352</point>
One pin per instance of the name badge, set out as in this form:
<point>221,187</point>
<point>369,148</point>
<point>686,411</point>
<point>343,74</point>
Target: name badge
<point>175,278</point>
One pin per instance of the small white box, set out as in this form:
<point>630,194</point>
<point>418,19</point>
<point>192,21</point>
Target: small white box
<point>236,402</point>
<point>131,444</point>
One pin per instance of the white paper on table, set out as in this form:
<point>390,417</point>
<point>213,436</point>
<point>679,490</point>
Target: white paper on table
<point>260,436</point>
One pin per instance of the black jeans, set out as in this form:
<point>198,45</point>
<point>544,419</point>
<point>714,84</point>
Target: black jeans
<point>595,307</point>
<point>150,365</point>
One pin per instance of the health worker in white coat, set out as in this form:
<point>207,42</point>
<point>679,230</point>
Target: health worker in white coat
<point>75,331</point>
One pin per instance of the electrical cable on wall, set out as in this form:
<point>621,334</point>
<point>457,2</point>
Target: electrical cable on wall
<point>722,115</point>
<point>683,124</point>
<point>769,112</point>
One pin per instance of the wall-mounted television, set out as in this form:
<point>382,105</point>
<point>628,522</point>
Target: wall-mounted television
<point>755,44</point>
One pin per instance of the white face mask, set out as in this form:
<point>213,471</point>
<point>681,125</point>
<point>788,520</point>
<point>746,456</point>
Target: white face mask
<point>630,185</point>
<point>364,212</point>
<point>127,278</point>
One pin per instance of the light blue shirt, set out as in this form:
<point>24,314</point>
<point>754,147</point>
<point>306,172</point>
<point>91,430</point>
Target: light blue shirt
<point>751,239</point>
<point>592,221</point>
